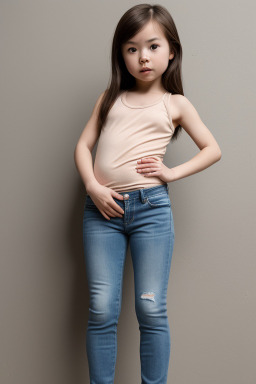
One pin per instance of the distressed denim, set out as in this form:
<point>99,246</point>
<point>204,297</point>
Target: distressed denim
<point>147,226</point>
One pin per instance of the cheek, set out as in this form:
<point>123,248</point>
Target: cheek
<point>164,61</point>
<point>129,64</point>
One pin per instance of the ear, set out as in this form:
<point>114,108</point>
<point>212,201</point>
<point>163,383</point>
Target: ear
<point>171,56</point>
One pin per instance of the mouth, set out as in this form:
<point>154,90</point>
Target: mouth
<point>146,70</point>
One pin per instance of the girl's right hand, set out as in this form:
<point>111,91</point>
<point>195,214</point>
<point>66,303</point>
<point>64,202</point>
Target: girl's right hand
<point>103,199</point>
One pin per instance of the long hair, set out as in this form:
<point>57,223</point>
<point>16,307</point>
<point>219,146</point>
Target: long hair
<point>131,23</point>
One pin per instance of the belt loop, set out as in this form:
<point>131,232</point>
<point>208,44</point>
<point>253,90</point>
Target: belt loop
<point>142,196</point>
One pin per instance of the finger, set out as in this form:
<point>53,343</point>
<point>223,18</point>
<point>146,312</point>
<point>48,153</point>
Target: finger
<point>117,195</point>
<point>152,166</point>
<point>103,214</point>
<point>149,171</point>
<point>116,207</point>
<point>147,168</point>
<point>150,174</point>
<point>146,165</point>
<point>147,159</point>
<point>113,212</point>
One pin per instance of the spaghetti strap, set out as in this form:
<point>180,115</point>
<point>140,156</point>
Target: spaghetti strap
<point>167,103</point>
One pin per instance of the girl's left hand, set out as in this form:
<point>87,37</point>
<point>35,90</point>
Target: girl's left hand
<point>153,166</point>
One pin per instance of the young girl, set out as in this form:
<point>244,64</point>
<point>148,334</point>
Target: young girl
<point>127,198</point>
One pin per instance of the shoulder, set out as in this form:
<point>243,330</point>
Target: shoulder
<point>101,96</point>
<point>98,104</point>
<point>180,106</point>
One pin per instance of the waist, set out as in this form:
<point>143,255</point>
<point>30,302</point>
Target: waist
<point>143,193</point>
<point>123,177</point>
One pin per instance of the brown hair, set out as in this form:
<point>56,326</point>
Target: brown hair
<point>131,23</point>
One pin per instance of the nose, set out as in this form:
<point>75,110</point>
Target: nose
<point>143,57</point>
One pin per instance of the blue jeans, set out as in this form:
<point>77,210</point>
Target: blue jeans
<point>148,225</point>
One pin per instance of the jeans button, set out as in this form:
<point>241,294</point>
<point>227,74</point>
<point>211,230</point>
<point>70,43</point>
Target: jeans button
<point>126,196</point>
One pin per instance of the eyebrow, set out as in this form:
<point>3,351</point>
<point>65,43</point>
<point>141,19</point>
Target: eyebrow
<point>148,41</point>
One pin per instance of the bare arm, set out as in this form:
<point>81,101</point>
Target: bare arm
<point>210,151</point>
<point>102,196</point>
<point>185,114</point>
<point>84,147</point>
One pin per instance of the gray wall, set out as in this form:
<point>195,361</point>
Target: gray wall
<point>55,61</point>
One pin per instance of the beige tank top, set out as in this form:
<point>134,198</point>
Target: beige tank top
<point>130,133</point>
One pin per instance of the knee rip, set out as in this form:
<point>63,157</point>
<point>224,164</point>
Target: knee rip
<point>148,296</point>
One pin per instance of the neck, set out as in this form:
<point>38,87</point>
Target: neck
<point>147,87</point>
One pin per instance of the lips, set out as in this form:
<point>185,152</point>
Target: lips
<point>145,69</point>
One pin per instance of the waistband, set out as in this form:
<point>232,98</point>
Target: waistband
<point>143,193</point>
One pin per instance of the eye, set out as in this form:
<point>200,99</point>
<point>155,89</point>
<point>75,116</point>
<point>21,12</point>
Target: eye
<point>130,48</point>
<point>154,45</point>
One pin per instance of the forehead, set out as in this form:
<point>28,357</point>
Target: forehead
<point>149,31</point>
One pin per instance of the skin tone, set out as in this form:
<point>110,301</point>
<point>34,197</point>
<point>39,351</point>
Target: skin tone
<point>138,53</point>
<point>155,55</point>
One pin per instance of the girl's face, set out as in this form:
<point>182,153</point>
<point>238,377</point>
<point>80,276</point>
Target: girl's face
<point>139,52</point>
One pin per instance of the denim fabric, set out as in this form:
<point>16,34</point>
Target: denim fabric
<point>147,225</point>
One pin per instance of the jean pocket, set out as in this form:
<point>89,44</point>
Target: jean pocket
<point>161,200</point>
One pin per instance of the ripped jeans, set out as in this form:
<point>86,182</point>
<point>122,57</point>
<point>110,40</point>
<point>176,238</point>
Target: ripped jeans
<point>147,225</point>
